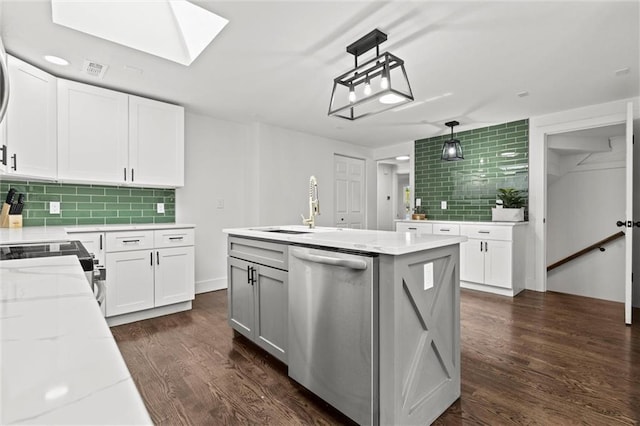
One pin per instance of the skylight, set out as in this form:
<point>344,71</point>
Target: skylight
<point>172,29</point>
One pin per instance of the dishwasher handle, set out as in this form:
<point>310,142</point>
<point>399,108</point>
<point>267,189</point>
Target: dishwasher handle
<point>327,260</point>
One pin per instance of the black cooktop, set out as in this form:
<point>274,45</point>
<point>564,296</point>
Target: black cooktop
<point>48,249</point>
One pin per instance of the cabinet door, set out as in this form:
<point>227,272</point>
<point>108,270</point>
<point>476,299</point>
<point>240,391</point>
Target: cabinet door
<point>271,327</point>
<point>472,261</point>
<point>156,142</point>
<point>92,134</point>
<point>94,242</point>
<point>240,296</point>
<point>31,122</point>
<point>498,264</point>
<point>174,275</point>
<point>129,281</point>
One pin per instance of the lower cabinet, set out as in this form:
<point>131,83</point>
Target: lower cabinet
<point>174,275</point>
<point>258,300</point>
<point>130,282</point>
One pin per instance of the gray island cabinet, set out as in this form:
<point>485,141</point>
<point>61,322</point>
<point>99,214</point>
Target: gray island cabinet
<point>407,356</point>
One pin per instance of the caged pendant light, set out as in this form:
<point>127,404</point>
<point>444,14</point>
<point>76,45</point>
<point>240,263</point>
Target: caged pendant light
<point>452,149</point>
<point>375,86</point>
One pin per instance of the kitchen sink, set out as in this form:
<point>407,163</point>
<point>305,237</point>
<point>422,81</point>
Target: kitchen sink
<point>284,231</point>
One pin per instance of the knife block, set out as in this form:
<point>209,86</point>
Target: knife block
<point>9,220</point>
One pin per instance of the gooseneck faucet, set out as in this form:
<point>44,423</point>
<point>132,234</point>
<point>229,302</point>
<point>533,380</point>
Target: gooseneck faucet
<point>314,203</point>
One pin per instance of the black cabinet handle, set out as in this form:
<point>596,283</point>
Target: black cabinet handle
<point>486,246</point>
<point>253,276</point>
<point>480,245</point>
<point>413,229</point>
<point>157,258</point>
<point>484,232</point>
<point>130,241</point>
<point>151,258</point>
<point>176,238</point>
<point>4,154</point>
<point>15,162</point>
<point>132,175</point>
<point>249,275</point>
<point>100,241</point>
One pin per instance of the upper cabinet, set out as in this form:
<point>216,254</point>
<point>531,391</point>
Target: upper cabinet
<point>30,133</point>
<point>92,134</point>
<point>156,142</point>
<point>106,136</point>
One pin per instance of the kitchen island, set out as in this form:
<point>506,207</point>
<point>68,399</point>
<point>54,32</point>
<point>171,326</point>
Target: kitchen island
<point>407,341</point>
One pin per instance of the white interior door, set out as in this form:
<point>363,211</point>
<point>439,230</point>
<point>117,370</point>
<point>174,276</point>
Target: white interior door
<point>629,215</point>
<point>349,192</point>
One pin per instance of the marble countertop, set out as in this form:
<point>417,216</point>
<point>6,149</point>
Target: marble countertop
<point>60,363</point>
<point>32,234</point>
<point>460,222</point>
<point>383,242</point>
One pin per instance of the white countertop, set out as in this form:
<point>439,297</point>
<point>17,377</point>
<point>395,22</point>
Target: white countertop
<point>32,234</point>
<point>461,222</point>
<point>384,242</point>
<point>59,362</point>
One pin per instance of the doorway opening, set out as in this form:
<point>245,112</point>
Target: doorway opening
<point>393,177</point>
<point>586,196</point>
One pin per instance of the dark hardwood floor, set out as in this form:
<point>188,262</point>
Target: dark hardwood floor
<point>539,358</point>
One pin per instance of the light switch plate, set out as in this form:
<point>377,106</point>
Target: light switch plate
<point>160,208</point>
<point>54,207</point>
<point>428,275</point>
<point>443,205</point>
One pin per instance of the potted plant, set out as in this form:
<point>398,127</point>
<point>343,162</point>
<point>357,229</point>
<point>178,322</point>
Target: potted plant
<point>512,208</point>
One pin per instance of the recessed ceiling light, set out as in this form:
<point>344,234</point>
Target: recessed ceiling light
<point>402,157</point>
<point>522,94</point>
<point>391,98</point>
<point>56,60</point>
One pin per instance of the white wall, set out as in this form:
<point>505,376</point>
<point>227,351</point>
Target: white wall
<point>583,207</point>
<point>286,160</point>
<point>216,168</point>
<point>261,175</point>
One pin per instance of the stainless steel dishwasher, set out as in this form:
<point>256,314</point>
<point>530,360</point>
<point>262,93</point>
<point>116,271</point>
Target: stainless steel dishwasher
<point>333,330</point>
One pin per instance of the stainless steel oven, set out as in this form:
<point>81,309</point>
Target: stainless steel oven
<point>94,272</point>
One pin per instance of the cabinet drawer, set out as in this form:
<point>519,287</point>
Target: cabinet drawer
<point>487,232</point>
<point>174,238</point>
<point>418,228</point>
<point>446,229</point>
<point>262,252</point>
<point>129,240</point>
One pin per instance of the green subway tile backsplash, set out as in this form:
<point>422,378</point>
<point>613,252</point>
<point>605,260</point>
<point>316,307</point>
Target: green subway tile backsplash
<point>91,204</point>
<point>469,186</point>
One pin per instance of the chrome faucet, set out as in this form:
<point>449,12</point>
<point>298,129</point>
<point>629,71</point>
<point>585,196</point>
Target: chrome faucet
<point>314,203</point>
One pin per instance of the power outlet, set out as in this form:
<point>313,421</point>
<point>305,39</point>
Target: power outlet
<point>443,205</point>
<point>54,207</point>
<point>160,208</point>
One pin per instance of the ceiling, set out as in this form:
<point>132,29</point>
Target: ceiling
<point>275,61</point>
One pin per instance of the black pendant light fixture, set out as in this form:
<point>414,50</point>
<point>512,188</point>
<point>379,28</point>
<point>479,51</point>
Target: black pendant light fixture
<point>377,85</point>
<point>452,149</point>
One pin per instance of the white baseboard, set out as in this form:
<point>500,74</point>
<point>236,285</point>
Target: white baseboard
<point>490,289</point>
<point>214,284</point>
<point>148,313</point>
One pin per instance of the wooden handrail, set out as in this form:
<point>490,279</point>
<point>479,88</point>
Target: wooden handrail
<point>585,250</point>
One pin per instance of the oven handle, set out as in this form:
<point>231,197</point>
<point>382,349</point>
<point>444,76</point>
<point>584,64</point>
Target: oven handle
<point>326,260</point>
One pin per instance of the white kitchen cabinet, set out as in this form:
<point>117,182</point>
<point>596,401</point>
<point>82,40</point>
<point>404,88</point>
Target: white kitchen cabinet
<point>156,142</point>
<point>30,135</point>
<point>149,268</point>
<point>174,275</point>
<point>492,258</point>
<point>92,134</point>
<point>130,281</point>
<point>94,242</point>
